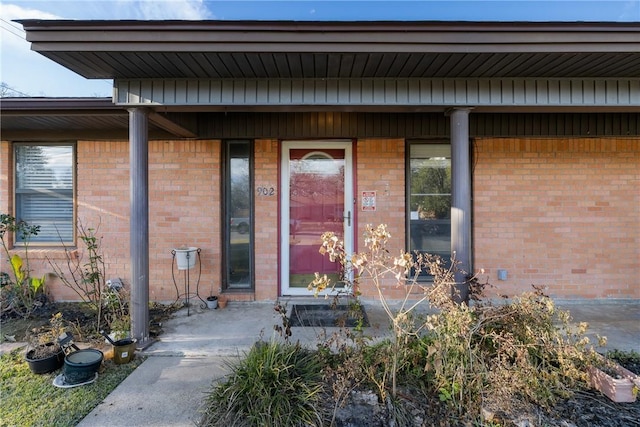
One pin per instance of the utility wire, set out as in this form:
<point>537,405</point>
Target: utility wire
<point>11,29</point>
<point>13,24</point>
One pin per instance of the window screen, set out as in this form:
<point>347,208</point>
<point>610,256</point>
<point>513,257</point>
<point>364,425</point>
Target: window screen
<point>44,177</point>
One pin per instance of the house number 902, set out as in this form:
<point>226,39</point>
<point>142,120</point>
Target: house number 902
<point>266,191</point>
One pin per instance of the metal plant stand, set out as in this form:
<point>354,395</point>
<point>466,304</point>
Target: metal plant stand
<point>190,264</point>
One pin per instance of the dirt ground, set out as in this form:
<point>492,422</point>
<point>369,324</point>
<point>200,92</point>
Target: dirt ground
<point>585,409</point>
<point>77,319</point>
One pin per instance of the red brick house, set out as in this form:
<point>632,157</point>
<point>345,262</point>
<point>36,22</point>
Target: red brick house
<point>514,145</point>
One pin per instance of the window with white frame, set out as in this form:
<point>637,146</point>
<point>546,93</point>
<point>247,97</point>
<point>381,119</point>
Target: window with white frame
<point>44,190</point>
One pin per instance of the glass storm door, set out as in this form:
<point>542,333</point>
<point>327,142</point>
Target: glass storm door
<point>317,196</point>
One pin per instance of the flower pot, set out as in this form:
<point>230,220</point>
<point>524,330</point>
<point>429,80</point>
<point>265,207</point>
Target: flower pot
<point>186,257</point>
<point>82,365</point>
<point>617,383</point>
<point>212,302</point>
<point>124,351</point>
<point>222,302</point>
<point>46,364</point>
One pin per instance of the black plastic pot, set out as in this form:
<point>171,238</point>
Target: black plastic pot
<point>82,365</point>
<point>46,364</point>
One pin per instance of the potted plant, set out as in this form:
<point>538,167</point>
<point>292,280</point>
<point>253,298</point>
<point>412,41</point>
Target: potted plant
<point>115,311</point>
<point>45,353</point>
<point>212,302</point>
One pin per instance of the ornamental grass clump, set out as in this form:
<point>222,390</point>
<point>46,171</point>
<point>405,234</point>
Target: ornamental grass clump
<point>275,384</point>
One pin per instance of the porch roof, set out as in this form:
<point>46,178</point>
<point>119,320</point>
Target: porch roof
<point>29,119</point>
<point>286,49</point>
<point>525,56</point>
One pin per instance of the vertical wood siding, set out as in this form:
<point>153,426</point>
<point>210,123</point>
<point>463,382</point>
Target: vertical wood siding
<point>380,92</point>
<point>411,125</point>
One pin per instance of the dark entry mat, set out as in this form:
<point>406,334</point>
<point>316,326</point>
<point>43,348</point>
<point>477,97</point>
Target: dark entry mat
<point>325,315</point>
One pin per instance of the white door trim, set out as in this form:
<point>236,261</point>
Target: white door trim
<point>349,205</point>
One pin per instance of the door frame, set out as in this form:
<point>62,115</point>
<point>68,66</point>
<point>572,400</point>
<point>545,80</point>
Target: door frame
<point>349,203</point>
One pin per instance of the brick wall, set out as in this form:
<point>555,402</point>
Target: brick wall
<point>561,213</point>
<point>266,220</point>
<point>184,209</point>
<point>380,168</point>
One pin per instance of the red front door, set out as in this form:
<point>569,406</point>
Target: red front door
<point>317,197</point>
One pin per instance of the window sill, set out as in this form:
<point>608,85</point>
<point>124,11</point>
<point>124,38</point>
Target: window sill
<point>43,253</point>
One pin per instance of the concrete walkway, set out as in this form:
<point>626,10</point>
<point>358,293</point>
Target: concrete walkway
<point>169,387</point>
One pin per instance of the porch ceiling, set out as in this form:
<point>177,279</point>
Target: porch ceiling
<point>259,49</point>
<point>33,119</point>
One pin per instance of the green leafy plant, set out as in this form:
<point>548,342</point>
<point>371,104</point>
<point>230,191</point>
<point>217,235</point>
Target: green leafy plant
<point>277,384</point>
<point>20,293</point>
<point>629,359</point>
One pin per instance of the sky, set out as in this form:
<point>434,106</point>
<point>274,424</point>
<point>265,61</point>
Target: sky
<point>26,73</point>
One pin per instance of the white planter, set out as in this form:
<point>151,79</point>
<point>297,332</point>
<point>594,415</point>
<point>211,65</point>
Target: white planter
<point>186,257</point>
<point>212,302</point>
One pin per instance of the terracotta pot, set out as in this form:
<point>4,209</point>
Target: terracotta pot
<point>618,389</point>
<point>222,302</point>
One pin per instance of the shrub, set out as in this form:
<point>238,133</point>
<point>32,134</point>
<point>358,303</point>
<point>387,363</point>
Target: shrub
<point>20,294</point>
<point>462,358</point>
<point>85,274</point>
<point>524,350</point>
<point>275,384</point>
<point>469,355</point>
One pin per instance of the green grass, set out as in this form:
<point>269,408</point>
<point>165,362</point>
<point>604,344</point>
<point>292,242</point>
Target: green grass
<point>32,400</point>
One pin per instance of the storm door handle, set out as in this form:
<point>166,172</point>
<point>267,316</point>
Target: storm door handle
<point>348,218</point>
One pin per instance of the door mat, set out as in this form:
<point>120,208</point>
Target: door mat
<point>327,316</point>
